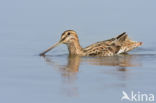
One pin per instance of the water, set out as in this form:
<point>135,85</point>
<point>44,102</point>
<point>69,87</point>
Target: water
<point>29,27</point>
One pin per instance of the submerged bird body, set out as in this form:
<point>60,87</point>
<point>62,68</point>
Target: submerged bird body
<point>114,46</point>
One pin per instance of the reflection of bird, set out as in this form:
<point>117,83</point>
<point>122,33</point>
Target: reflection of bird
<point>124,60</point>
<point>68,73</point>
<point>70,70</point>
<point>125,96</point>
<point>117,45</point>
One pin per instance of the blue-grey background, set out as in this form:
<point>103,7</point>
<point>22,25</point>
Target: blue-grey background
<point>27,27</point>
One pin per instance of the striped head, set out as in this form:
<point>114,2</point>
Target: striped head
<point>69,36</point>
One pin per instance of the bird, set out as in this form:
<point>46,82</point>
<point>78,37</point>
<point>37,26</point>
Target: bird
<point>114,46</point>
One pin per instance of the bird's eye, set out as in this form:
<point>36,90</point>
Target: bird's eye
<point>68,34</point>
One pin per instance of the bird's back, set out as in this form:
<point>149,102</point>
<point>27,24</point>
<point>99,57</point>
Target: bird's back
<point>117,45</point>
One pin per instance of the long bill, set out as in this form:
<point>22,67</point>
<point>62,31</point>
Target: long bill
<point>53,46</point>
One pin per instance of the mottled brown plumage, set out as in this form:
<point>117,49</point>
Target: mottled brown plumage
<point>114,46</point>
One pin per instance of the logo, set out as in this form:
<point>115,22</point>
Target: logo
<point>138,97</point>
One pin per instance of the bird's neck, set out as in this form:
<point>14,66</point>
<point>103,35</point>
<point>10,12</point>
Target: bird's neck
<point>75,48</point>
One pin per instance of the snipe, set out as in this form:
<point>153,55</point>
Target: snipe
<point>114,46</point>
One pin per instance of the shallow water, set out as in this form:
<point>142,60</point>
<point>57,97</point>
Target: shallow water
<point>29,27</point>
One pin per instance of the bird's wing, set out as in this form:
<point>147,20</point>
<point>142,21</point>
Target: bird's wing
<point>107,47</point>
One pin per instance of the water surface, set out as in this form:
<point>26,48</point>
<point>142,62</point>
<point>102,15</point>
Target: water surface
<point>31,26</point>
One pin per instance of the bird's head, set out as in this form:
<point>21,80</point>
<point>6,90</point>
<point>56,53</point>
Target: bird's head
<point>68,36</point>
